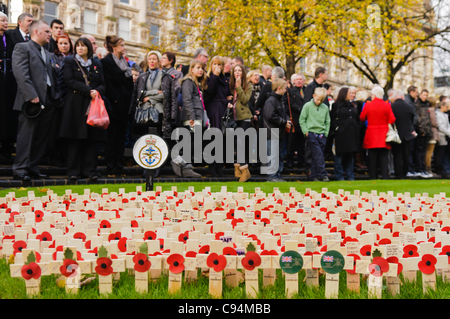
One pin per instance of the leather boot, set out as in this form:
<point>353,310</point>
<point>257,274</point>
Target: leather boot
<point>359,161</point>
<point>245,173</point>
<point>237,171</point>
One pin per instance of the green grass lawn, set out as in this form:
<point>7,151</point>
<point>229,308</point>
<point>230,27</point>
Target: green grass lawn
<point>397,186</point>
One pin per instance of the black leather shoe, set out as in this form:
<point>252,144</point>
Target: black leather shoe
<point>22,177</point>
<point>93,177</point>
<point>73,177</point>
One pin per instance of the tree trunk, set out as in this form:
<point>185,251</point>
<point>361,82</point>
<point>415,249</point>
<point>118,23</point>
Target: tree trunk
<point>290,65</point>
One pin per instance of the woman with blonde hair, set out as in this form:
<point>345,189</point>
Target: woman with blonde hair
<point>216,98</point>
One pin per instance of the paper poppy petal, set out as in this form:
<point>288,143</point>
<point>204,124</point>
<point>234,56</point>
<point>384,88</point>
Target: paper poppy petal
<point>68,268</point>
<point>427,264</point>
<point>176,263</point>
<point>251,260</point>
<point>103,267</point>
<point>141,262</point>
<point>32,270</point>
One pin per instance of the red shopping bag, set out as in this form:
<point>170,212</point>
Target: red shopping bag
<point>98,116</point>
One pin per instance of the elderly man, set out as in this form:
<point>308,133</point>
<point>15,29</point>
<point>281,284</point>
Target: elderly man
<point>92,40</point>
<point>21,33</point>
<point>201,55</point>
<point>404,121</point>
<point>32,67</point>
<point>266,73</point>
<point>294,101</point>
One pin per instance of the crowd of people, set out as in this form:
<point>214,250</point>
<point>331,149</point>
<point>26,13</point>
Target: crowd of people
<point>48,82</point>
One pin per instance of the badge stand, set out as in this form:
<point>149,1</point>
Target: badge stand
<point>150,152</point>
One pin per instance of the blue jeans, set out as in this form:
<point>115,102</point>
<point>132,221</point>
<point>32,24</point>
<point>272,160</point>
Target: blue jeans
<point>316,144</point>
<point>344,161</point>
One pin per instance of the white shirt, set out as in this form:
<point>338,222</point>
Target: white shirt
<point>24,34</point>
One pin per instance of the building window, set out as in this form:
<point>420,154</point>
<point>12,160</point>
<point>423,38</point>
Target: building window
<point>154,33</point>
<point>51,11</point>
<point>125,1</point>
<point>124,28</point>
<point>181,41</point>
<point>90,21</point>
<point>154,5</point>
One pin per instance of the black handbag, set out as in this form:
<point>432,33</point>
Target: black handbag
<point>145,113</point>
<point>228,120</point>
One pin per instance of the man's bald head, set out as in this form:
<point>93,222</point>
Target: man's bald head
<point>92,40</point>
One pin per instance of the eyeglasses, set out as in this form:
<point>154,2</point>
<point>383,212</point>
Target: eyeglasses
<point>205,56</point>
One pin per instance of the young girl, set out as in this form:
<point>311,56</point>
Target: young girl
<point>242,92</point>
<point>192,86</point>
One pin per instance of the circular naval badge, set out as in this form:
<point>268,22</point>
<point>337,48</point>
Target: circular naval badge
<point>291,262</point>
<point>150,151</point>
<point>332,262</point>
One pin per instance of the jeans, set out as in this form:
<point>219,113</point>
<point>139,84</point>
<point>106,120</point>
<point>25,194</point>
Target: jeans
<point>316,143</point>
<point>344,161</point>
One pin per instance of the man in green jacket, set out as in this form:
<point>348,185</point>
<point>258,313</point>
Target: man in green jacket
<point>315,124</point>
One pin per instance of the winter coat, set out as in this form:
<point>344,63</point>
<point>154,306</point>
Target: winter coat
<point>404,119</point>
<point>118,88</point>
<point>378,114</point>
<point>296,100</point>
<point>216,98</point>
<point>345,126</point>
<point>243,111</point>
<point>423,126</point>
<point>443,127</point>
<point>192,101</point>
<point>274,116</point>
<point>171,87</point>
<point>434,124</point>
<point>73,124</point>
<point>309,91</point>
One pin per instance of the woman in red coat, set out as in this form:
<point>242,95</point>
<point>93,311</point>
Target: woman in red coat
<point>378,115</point>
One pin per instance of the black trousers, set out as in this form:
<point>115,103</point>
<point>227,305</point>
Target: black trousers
<point>115,145</point>
<point>420,149</point>
<point>378,157</point>
<point>401,154</point>
<point>32,139</point>
<point>297,144</point>
<point>81,157</point>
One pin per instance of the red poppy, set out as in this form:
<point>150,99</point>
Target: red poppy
<point>105,224</point>
<point>446,251</point>
<point>235,221</point>
<point>355,258</point>
<point>410,251</point>
<point>149,235</point>
<point>115,236</point>
<point>366,250</point>
<point>69,267</point>
<point>134,224</point>
<point>32,270</point>
<point>91,213</point>
<point>38,215</point>
<point>122,245</point>
<point>103,267</point>
<point>319,240</point>
<point>257,214</point>
<point>204,249</point>
<point>176,263</point>
<point>384,241</point>
<point>269,252</point>
<point>230,251</point>
<point>161,243</point>
<point>45,236</point>
<point>18,246</point>
<point>349,239</point>
<point>266,221</point>
<point>11,216</point>
<point>230,214</point>
<point>216,262</point>
<point>378,266</point>
<point>141,262</point>
<point>394,260</point>
<point>427,264</point>
<point>191,254</point>
<point>94,251</point>
<point>251,260</point>
<point>79,235</point>
<point>183,237</point>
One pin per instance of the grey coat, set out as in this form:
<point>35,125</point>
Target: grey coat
<point>153,91</point>
<point>30,71</point>
<point>192,104</point>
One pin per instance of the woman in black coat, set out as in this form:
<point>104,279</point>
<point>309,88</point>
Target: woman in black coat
<point>81,139</point>
<point>345,126</point>
<point>119,88</point>
<point>216,97</point>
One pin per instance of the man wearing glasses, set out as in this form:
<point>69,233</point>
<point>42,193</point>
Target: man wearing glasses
<point>201,55</point>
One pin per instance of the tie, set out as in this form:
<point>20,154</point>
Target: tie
<point>45,62</point>
<point>27,38</point>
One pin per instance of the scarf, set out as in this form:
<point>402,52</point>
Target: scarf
<point>85,64</point>
<point>123,65</point>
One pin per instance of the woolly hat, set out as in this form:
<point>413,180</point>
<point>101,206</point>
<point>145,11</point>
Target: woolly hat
<point>155,53</point>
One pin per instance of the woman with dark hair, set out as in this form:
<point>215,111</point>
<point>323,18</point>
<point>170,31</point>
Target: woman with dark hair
<point>345,126</point>
<point>119,88</point>
<point>83,78</point>
<point>242,91</point>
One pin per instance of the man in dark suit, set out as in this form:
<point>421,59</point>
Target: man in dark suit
<point>32,69</point>
<point>404,121</point>
<point>21,33</point>
<point>320,77</point>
